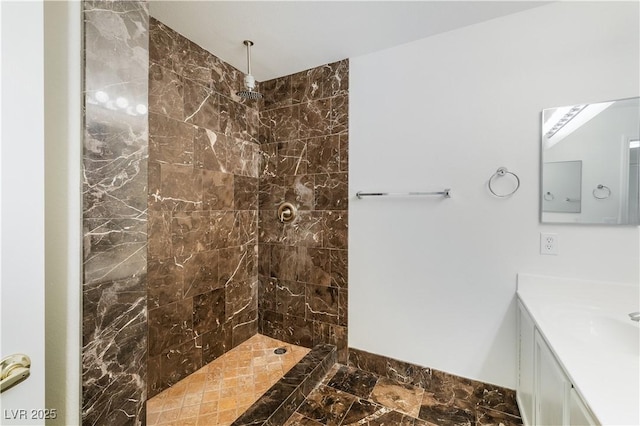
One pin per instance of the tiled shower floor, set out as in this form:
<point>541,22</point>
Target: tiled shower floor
<point>222,390</point>
<point>352,397</point>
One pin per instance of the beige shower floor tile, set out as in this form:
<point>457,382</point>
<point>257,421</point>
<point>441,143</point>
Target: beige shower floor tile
<point>222,390</point>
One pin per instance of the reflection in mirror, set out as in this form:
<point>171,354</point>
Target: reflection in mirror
<point>562,183</point>
<point>590,163</point>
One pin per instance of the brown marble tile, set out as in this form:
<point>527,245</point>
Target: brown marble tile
<point>180,361</point>
<point>292,158</point>
<point>170,325</point>
<point>267,291</point>
<point>400,371</point>
<point>245,193</point>
<point>353,381</point>
<point>488,417</point>
<point>276,92</point>
<point>331,192</point>
<point>343,307</point>
<point>297,330</point>
<point>115,158</point>
<point>315,118</point>
<point>192,61</point>
<point>324,154</point>
<point>190,233</point>
<point>226,79</point>
<point>309,85</point>
<point>201,273</point>
<point>339,114</point>
<point>162,43</point>
<point>165,92</point>
<point>208,310</point>
<point>243,158</point>
<point>234,118</point>
<point>201,106</point>
<point>290,298</point>
<point>165,280</point>
<point>446,389</point>
<point>244,325</point>
<point>331,334</point>
<point>401,397</point>
<point>496,398</point>
<point>159,231</point>
<point>299,191</point>
<point>284,123</point>
<point>307,230</point>
<point>363,412</point>
<point>335,229</point>
<point>216,342</point>
<point>242,296</point>
<point>322,303</point>
<point>108,239</point>
<point>326,405</point>
<point>314,266</point>
<point>298,419</point>
<point>268,160</point>
<point>344,152</point>
<point>209,150</point>
<point>217,190</point>
<point>446,415</point>
<point>181,187</point>
<point>220,228</point>
<point>338,79</point>
<point>338,260</point>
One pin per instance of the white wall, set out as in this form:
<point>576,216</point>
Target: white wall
<point>432,281</point>
<point>63,207</point>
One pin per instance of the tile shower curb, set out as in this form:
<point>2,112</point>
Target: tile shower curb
<point>282,399</point>
<point>448,389</point>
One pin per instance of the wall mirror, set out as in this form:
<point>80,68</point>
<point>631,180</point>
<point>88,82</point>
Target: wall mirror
<point>590,163</point>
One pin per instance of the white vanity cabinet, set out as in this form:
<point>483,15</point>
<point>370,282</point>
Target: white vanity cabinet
<point>544,393</point>
<point>579,414</point>
<point>551,387</point>
<point>526,352</point>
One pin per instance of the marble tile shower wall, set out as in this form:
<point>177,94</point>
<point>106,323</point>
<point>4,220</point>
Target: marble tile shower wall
<point>203,209</point>
<point>114,328</point>
<point>303,264</point>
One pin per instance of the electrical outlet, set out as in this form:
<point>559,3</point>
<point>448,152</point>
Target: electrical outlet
<point>548,243</point>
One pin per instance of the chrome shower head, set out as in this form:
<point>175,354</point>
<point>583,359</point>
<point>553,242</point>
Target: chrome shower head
<point>249,94</point>
<point>249,81</point>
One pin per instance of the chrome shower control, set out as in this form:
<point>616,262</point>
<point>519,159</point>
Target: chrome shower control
<point>286,212</point>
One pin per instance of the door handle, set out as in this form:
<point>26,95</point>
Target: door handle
<point>13,370</point>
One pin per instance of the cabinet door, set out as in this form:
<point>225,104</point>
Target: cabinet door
<point>551,387</point>
<point>526,354</point>
<point>579,414</point>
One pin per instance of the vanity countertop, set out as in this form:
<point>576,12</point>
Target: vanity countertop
<point>587,326</point>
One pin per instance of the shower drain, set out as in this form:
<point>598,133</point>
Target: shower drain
<point>280,351</point>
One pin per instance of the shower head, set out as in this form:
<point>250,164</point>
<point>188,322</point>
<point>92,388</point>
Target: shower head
<point>249,81</point>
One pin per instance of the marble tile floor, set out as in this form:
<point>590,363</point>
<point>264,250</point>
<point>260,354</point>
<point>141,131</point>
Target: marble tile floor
<point>350,396</point>
<point>222,390</point>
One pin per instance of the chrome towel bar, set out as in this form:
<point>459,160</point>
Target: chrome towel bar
<point>446,194</point>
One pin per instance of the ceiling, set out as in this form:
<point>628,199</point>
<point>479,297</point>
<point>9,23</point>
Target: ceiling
<point>292,36</point>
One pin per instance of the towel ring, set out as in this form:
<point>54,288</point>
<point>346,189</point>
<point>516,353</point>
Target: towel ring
<point>499,173</point>
<point>601,187</point>
<point>548,196</point>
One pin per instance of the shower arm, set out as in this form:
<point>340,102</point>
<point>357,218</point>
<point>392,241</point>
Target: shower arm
<point>248,43</point>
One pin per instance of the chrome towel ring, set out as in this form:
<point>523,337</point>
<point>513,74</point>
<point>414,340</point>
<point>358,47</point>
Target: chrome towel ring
<point>502,171</point>
<point>602,192</point>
